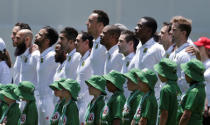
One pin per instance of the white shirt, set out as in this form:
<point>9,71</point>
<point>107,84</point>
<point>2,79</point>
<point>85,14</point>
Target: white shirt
<point>113,60</point>
<point>128,63</point>
<point>169,51</point>
<point>189,40</point>
<point>46,70</point>
<point>71,63</point>
<point>136,57</point>
<point>60,72</point>
<point>28,66</point>
<point>180,56</point>
<point>98,57</point>
<point>207,78</point>
<point>5,74</point>
<point>16,70</point>
<point>84,72</point>
<point>149,54</point>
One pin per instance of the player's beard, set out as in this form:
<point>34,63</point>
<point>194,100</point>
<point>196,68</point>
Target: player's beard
<point>20,49</point>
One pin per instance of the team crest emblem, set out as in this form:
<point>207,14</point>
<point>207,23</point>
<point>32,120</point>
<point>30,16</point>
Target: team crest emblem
<point>69,59</point>
<point>126,109</point>
<point>64,120</point>
<point>106,111</point>
<point>25,58</point>
<point>22,118</point>
<point>145,50</point>
<point>138,112</point>
<point>42,60</point>
<point>5,120</point>
<point>96,46</point>
<point>55,117</point>
<point>109,57</point>
<point>91,118</point>
<point>127,64</point>
<point>83,63</point>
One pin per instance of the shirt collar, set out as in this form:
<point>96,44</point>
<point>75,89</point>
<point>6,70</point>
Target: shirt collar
<point>85,56</point>
<point>72,52</point>
<point>149,42</point>
<point>170,49</point>
<point>130,56</point>
<point>139,45</point>
<point>182,47</point>
<point>26,52</point>
<point>97,40</point>
<point>111,50</point>
<point>46,51</point>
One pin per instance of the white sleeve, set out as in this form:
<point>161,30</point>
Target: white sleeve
<point>160,53</point>
<point>5,75</point>
<point>118,63</point>
<point>36,59</point>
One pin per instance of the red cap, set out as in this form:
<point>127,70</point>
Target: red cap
<point>207,45</point>
<point>201,41</point>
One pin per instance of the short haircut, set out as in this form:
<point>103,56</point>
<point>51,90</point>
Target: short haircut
<point>70,33</point>
<point>156,37</point>
<point>168,25</point>
<point>52,34</point>
<point>121,27</point>
<point>102,17</point>
<point>130,36</point>
<point>23,25</point>
<point>114,31</point>
<point>184,24</point>
<point>151,23</point>
<point>87,36</point>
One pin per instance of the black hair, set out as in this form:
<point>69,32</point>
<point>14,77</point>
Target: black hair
<point>23,25</point>
<point>151,23</point>
<point>102,17</point>
<point>52,34</point>
<point>168,25</point>
<point>70,33</point>
<point>87,36</point>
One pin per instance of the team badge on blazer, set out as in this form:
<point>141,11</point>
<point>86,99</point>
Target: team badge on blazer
<point>5,120</point>
<point>64,120</point>
<point>126,109</point>
<point>138,112</point>
<point>42,60</point>
<point>145,50</point>
<point>69,59</point>
<point>96,46</point>
<point>55,116</point>
<point>91,118</point>
<point>106,111</point>
<point>83,63</point>
<point>22,119</point>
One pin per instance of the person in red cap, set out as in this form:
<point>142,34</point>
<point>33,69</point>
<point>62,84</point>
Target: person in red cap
<point>202,52</point>
<point>203,45</point>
